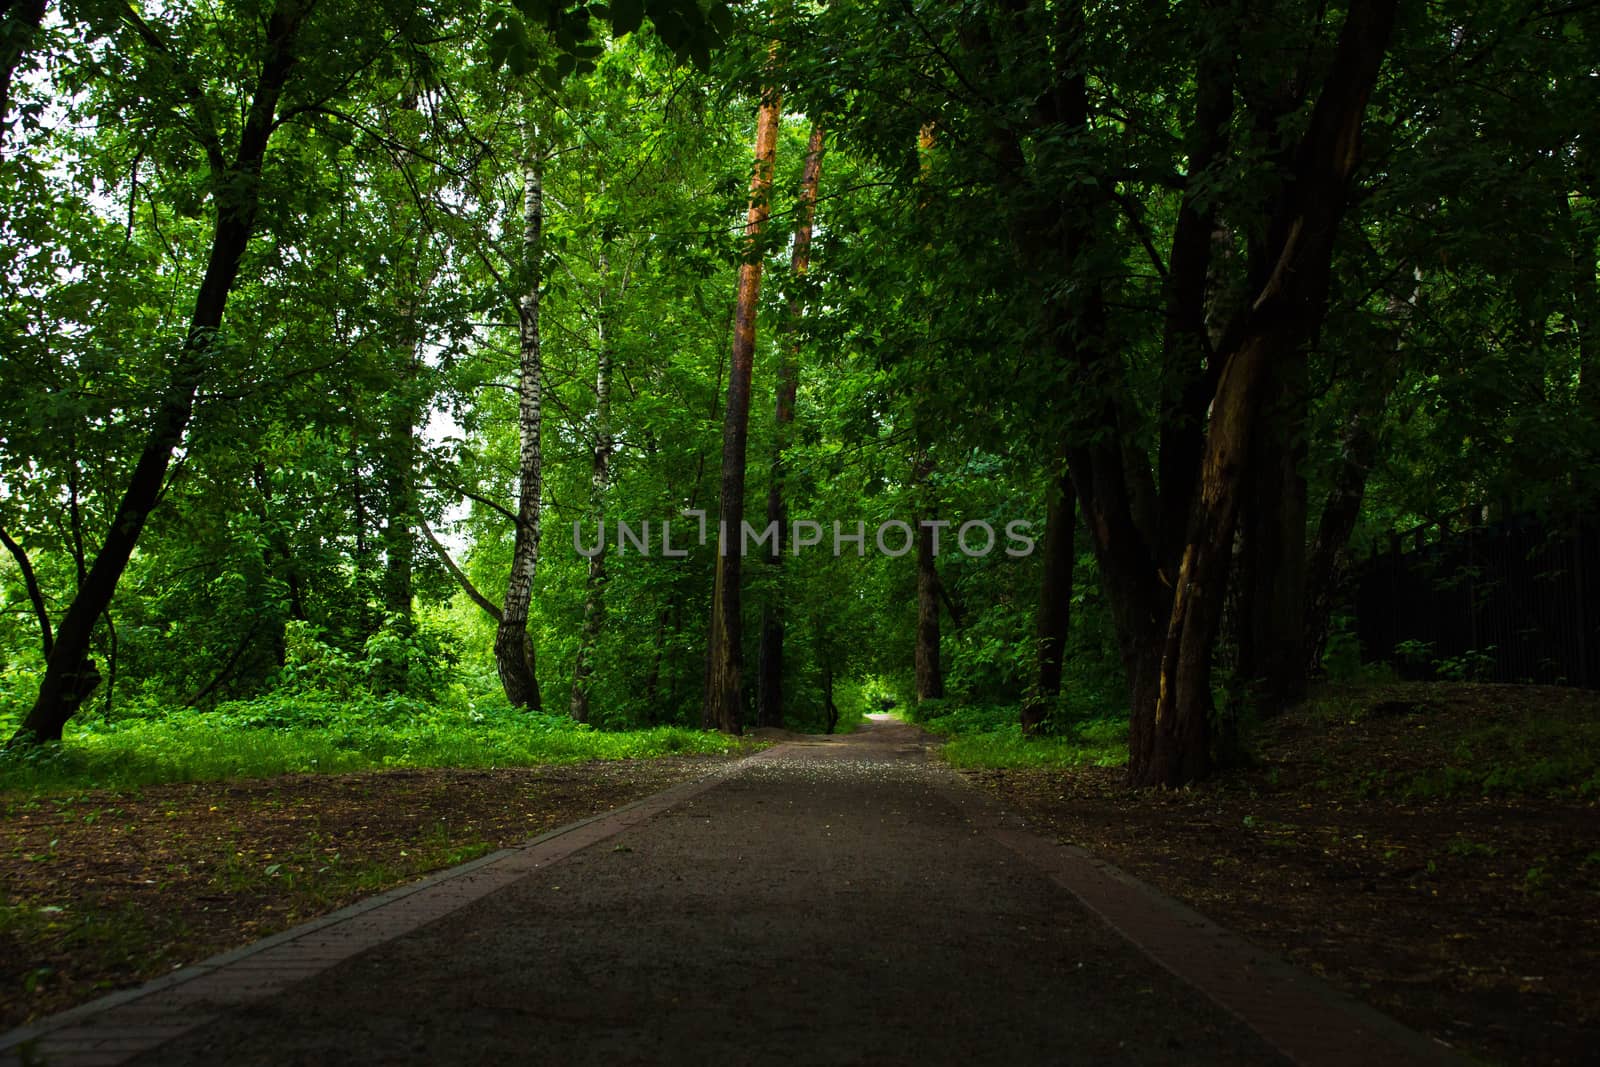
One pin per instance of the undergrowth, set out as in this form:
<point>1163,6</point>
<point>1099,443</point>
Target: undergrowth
<point>275,735</point>
<point>1426,741</point>
<point>980,735</point>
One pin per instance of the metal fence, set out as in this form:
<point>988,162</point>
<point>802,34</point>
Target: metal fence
<point>1516,600</point>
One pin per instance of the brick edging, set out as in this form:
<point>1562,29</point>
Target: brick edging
<point>121,1025</point>
<point>1307,1019</point>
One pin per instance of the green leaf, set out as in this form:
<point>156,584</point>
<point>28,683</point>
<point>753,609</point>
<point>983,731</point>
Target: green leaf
<point>568,33</point>
<point>535,10</point>
<point>502,43</point>
<point>626,16</point>
<point>721,18</point>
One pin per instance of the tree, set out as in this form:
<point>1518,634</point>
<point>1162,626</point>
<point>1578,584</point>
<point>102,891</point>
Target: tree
<point>19,24</point>
<point>236,197</point>
<point>513,648</point>
<point>1054,616</point>
<point>594,601</point>
<point>769,701</point>
<point>724,694</point>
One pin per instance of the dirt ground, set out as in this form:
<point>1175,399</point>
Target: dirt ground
<point>1474,919</point>
<point>104,889</point>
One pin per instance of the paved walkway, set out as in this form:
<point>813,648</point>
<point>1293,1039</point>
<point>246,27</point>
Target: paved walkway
<point>832,901</point>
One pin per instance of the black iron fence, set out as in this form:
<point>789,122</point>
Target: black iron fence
<point>1517,600</point>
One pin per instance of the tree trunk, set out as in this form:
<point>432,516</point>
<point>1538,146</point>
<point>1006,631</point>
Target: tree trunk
<point>1137,597</point>
<point>367,580</point>
<point>769,692</point>
<point>513,645</point>
<point>652,678</point>
<point>929,672</point>
<point>1187,364</point>
<point>1585,299</point>
<point>829,708</point>
<point>1358,451</point>
<point>69,677</point>
<point>277,558</point>
<point>723,708</point>
<point>400,498</point>
<point>1055,600</point>
<point>19,24</point>
<point>1180,741</point>
<point>594,599</point>
<point>1288,306</point>
<point>1272,585</point>
<point>399,453</point>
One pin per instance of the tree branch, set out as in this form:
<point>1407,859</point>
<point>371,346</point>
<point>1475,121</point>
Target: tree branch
<point>31,583</point>
<point>199,103</point>
<point>456,572</point>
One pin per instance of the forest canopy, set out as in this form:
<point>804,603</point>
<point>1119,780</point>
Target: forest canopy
<point>350,347</point>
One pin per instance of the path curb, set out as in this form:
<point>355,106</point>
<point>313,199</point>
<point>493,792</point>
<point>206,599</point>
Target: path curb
<point>1307,1019</point>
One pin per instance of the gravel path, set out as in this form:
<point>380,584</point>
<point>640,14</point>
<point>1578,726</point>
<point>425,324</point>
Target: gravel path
<point>830,903</point>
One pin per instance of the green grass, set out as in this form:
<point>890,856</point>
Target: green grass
<point>252,740</point>
<point>981,736</point>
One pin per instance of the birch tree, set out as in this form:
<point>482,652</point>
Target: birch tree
<point>513,647</point>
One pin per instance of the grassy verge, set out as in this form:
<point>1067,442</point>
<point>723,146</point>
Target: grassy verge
<point>982,736</point>
<point>246,741</point>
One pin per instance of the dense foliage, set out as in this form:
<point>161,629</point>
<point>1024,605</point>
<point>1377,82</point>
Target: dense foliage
<point>328,323</point>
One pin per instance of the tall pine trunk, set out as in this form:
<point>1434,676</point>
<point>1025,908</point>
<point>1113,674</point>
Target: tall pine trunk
<point>769,693</point>
<point>513,646</point>
<point>70,676</point>
<point>928,676</point>
<point>723,708</point>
